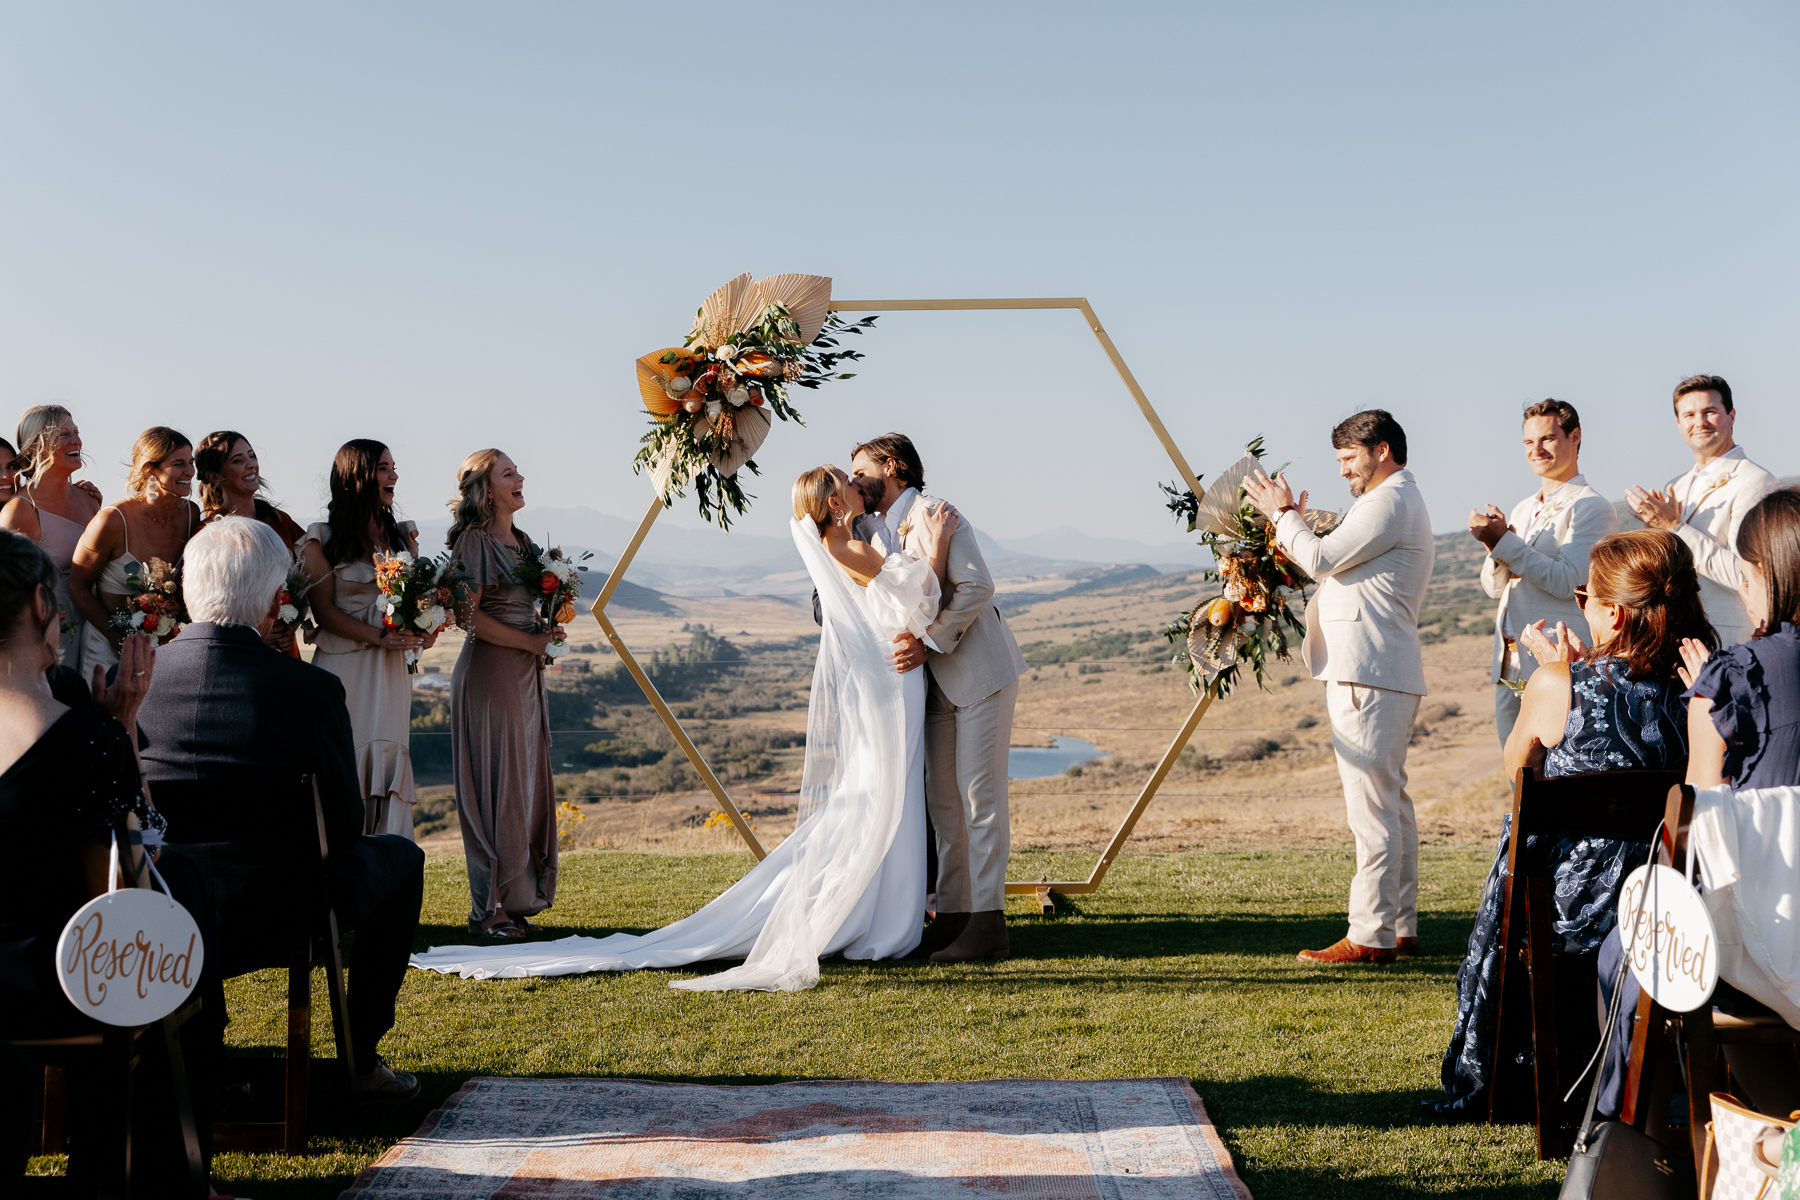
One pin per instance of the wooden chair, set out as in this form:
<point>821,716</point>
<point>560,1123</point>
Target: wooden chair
<point>316,943</point>
<point>110,1055</point>
<point>1539,991</point>
<point>1669,1049</point>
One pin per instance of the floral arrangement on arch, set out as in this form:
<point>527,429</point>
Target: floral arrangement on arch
<point>153,603</point>
<point>1250,619</point>
<point>711,398</point>
<point>555,579</point>
<point>419,595</point>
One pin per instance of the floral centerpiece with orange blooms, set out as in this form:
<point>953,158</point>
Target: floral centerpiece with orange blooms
<point>711,398</point>
<point>152,601</point>
<point>1250,619</point>
<point>555,579</point>
<point>419,595</point>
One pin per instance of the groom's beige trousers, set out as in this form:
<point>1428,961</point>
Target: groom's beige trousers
<point>965,793</point>
<point>1370,730</point>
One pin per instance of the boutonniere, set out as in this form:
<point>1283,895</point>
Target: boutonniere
<point>905,528</point>
<point>1716,484</point>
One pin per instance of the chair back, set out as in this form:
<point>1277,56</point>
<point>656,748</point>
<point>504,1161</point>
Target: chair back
<point>1547,1007</point>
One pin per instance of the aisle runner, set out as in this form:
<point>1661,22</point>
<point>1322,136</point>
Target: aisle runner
<point>1111,1139</point>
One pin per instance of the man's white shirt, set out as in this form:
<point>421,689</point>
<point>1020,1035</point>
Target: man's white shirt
<point>1714,500</point>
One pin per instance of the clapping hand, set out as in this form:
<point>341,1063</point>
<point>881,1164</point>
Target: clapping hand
<point>1693,656</point>
<point>1654,508</point>
<point>1488,527</point>
<point>1567,648</point>
<point>137,660</point>
<point>1270,496</point>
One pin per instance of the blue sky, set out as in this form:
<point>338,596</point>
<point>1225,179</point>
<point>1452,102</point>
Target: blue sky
<point>454,225</point>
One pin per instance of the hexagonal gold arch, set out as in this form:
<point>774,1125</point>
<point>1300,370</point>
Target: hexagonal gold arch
<point>1040,888</point>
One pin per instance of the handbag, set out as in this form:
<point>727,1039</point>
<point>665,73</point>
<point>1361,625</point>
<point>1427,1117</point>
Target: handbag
<point>1616,1161</point>
<point>1738,1165</point>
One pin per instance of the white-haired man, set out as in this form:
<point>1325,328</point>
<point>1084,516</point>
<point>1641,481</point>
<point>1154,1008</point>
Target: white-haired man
<point>235,730</point>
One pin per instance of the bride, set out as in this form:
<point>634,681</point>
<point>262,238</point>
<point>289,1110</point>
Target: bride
<point>851,877</point>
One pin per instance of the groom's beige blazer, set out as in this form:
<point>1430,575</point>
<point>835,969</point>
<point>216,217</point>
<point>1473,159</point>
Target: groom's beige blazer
<point>1714,500</point>
<point>972,654</point>
<point>1362,626</point>
<point>1534,567</point>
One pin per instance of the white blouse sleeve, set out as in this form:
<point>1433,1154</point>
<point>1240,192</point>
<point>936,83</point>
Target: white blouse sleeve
<point>905,596</point>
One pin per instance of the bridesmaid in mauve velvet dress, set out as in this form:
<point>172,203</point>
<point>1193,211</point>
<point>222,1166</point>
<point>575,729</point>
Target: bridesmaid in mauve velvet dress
<point>500,724</point>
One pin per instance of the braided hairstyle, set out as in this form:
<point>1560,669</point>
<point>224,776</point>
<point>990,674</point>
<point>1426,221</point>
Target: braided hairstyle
<point>1650,574</point>
<point>24,571</point>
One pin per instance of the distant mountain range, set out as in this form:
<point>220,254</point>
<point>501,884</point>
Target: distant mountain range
<point>683,561</point>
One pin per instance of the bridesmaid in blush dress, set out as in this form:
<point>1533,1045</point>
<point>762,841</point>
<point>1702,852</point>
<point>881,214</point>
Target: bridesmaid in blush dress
<point>500,724</point>
<point>339,555</point>
<point>46,506</point>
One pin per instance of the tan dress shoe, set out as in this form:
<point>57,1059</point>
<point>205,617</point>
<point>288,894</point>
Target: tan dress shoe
<point>983,938</point>
<point>1347,951</point>
<point>1406,947</point>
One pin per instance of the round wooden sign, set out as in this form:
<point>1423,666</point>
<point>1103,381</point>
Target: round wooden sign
<point>1669,936</point>
<point>129,957</point>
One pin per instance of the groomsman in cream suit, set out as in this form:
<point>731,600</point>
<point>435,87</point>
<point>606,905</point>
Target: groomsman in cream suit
<point>1705,507</point>
<point>1362,639</point>
<point>973,667</point>
<point>1538,555</point>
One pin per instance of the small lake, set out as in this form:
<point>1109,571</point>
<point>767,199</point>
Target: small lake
<point>1033,762</point>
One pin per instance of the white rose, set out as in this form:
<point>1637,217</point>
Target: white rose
<point>556,649</point>
<point>163,625</point>
<point>137,620</point>
<point>726,353</point>
<point>288,614</point>
<point>431,618</point>
<point>679,384</point>
<point>714,408</point>
<point>738,396</point>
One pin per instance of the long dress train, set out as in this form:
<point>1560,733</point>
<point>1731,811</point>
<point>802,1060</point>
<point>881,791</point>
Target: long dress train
<point>851,877</point>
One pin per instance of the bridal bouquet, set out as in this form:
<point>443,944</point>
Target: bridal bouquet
<point>1251,617</point>
<point>419,595</point>
<point>710,398</point>
<point>555,579</point>
<point>152,601</point>
<point>295,607</point>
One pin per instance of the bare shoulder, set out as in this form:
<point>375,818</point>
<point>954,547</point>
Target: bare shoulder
<point>1544,709</point>
<point>20,516</point>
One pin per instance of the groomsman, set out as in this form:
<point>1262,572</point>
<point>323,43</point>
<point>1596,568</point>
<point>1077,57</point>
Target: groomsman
<point>1362,639</point>
<point>1704,507</point>
<point>1538,555</point>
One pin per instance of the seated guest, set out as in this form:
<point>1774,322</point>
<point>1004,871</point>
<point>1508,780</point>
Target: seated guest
<point>1612,707</point>
<point>1743,730</point>
<point>67,772</point>
<point>233,728</point>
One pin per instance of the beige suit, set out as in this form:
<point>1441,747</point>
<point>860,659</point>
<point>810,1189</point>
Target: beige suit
<point>1713,502</point>
<point>1362,639</point>
<point>974,667</point>
<point>1533,570</point>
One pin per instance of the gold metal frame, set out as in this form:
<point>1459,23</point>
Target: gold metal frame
<point>1040,888</point>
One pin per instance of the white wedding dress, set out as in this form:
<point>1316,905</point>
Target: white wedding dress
<point>851,877</point>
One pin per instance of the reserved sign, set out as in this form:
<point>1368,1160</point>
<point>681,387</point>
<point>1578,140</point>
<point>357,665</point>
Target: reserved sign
<point>129,957</point>
<point>1672,945</point>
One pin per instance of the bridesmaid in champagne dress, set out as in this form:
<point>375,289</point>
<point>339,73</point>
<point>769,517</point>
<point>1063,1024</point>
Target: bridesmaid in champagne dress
<point>500,724</point>
<point>231,485</point>
<point>339,554</point>
<point>152,524</point>
<point>47,507</point>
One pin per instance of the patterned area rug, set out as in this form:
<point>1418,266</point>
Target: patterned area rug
<point>1109,1139</point>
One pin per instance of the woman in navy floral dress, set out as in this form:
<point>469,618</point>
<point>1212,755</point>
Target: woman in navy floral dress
<point>1615,706</point>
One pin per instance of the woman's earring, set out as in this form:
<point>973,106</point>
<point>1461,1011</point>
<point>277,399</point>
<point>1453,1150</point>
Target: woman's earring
<point>151,491</point>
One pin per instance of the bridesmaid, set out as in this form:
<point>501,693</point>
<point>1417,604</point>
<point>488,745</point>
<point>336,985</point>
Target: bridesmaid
<point>47,507</point>
<point>231,485</point>
<point>499,720</point>
<point>339,555</point>
<point>153,522</point>
<point>9,473</point>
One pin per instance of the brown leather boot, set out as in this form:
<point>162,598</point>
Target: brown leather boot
<point>1347,951</point>
<point>984,938</point>
<point>940,933</point>
<point>1406,947</point>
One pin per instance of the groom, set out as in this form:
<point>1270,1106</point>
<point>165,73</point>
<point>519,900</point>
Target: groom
<point>972,683</point>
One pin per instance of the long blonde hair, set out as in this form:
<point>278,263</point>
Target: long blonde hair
<point>147,453</point>
<point>473,507</point>
<point>39,431</point>
<point>813,493</point>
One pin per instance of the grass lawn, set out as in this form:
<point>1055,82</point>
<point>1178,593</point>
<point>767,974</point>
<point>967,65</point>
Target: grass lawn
<point>1184,965</point>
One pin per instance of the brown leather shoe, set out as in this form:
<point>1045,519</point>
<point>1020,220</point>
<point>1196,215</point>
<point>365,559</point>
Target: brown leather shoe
<point>1406,947</point>
<point>984,938</point>
<point>940,933</point>
<point>1347,951</point>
